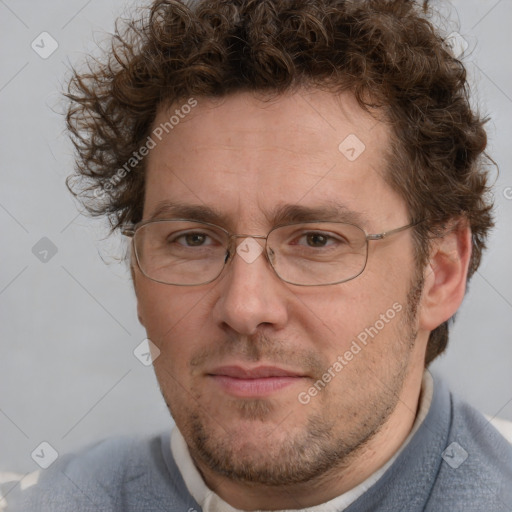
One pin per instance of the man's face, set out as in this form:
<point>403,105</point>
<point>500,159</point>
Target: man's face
<point>240,356</point>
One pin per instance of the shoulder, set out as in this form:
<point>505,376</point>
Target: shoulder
<point>121,474</point>
<point>504,427</point>
<point>476,465</point>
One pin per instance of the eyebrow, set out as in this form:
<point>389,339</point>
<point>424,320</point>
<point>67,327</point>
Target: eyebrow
<point>281,214</point>
<point>330,211</point>
<point>171,209</point>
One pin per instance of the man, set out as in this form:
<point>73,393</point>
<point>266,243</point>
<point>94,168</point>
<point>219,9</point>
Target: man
<point>305,190</point>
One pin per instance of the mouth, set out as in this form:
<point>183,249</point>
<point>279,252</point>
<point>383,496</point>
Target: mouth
<point>256,382</point>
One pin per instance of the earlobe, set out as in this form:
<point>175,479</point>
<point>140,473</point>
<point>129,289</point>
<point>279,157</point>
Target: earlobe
<point>139,308</point>
<point>140,317</point>
<point>446,274</point>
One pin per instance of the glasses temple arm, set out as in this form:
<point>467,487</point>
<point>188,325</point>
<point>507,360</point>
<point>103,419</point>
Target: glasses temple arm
<point>128,232</point>
<point>380,236</point>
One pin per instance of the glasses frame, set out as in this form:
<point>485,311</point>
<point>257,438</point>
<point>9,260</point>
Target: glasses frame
<point>131,231</point>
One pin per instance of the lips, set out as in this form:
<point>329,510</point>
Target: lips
<point>261,372</point>
<point>253,382</point>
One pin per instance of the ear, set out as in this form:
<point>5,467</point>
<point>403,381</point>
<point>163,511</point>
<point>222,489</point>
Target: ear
<point>445,275</point>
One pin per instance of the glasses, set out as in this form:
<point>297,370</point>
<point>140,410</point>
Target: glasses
<point>184,252</point>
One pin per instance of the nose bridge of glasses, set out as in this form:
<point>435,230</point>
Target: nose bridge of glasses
<point>249,250</point>
<point>242,236</point>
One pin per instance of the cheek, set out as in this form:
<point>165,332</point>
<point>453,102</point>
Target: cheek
<point>340,311</point>
<point>174,322</point>
<point>171,312</point>
<point>364,310</point>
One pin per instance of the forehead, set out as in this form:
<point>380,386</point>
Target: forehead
<point>245,156</point>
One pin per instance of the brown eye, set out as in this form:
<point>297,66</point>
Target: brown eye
<point>316,240</point>
<point>194,239</point>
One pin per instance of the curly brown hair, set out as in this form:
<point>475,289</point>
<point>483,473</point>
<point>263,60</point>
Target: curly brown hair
<point>387,52</point>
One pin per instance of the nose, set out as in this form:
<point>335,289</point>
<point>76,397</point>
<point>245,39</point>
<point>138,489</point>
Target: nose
<point>250,294</point>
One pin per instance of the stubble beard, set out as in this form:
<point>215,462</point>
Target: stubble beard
<point>319,447</point>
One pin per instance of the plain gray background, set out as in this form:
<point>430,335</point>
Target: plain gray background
<point>68,326</point>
